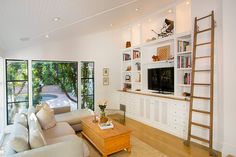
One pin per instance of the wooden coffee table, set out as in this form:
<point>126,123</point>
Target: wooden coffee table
<point>106,141</point>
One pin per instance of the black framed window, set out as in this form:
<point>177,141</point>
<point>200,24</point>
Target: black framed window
<point>55,83</point>
<point>17,92</point>
<point>87,84</point>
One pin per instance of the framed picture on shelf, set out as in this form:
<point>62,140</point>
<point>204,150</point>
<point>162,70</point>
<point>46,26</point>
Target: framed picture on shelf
<point>105,71</point>
<point>105,81</point>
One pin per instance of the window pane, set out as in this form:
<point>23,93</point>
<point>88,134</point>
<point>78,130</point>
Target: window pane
<point>14,108</point>
<point>56,83</point>
<point>17,70</point>
<point>87,86</point>
<point>87,102</point>
<point>87,70</point>
<point>16,87</point>
<point>17,91</point>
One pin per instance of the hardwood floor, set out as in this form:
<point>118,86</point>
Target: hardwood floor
<point>164,142</point>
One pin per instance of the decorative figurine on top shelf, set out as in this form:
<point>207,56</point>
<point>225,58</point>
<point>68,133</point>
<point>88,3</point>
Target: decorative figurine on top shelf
<point>166,30</point>
<point>128,44</point>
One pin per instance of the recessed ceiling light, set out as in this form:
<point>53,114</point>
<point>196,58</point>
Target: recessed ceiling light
<point>169,11</point>
<point>25,39</point>
<point>149,20</point>
<point>47,36</point>
<point>139,24</point>
<point>111,24</point>
<point>187,2</point>
<point>137,9</point>
<point>56,19</point>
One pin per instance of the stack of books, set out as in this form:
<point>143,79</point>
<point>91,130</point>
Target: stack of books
<point>105,126</point>
<point>184,62</point>
<point>182,45</point>
<point>126,57</point>
<point>187,78</point>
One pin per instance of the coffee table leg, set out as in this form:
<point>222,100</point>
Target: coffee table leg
<point>129,149</point>
<point>104,155</point>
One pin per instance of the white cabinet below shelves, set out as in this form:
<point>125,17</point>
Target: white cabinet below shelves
<point>162,113</point>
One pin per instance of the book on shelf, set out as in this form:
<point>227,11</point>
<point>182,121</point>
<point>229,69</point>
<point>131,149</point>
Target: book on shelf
<point>187,78</point>
<point>126,57</point>
<point>182,45</point>
<point>184,62</point>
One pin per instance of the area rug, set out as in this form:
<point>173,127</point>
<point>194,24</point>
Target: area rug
<point>139,149</point>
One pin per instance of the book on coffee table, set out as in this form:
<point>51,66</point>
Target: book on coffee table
<point>104,126</point>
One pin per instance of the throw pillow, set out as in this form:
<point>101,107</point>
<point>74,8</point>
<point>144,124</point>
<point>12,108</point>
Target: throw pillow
<point>21,119</point>
<point>46,117</point>
<point>36,136</point>
<point>18,140</point>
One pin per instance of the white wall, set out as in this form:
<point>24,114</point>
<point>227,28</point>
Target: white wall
<point>229,83</point>
<point>103,48</point>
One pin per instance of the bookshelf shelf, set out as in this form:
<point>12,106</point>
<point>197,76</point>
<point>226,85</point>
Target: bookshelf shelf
<point>184,85</point>
<point>184,52</point>
<point>184,69</point>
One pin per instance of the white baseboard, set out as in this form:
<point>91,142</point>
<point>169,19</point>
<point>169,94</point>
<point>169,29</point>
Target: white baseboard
<point>228,149</point>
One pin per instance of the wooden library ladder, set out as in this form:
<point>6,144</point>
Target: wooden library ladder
<point>210,85</point>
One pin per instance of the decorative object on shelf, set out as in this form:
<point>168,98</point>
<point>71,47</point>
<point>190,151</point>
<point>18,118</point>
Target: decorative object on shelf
<point>138,90</point>
<point>102,104</point>
<point>138,66</point>
<point>127,86</point>
<point>105,81</point>
<point>128,68</point>
<point>166,30</point>
<point>153,38</point>
<point>136,54</point>
<point>105,71</point>
<point>163,52</point>
<point>128,78</point>
<point>187,78</point>
<point>186,94</point>
<point>155,58</point>
<point>126,57</point>
<point>128,44</point>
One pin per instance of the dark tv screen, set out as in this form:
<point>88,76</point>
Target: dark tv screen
<point>161,79</point>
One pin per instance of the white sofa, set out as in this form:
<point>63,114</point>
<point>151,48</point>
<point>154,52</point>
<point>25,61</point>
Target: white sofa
<point>59,141</point>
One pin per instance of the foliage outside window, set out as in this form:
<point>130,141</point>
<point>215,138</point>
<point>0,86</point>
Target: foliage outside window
<point>55,81</point>
<point>87,85</point>
<point>16,87</point>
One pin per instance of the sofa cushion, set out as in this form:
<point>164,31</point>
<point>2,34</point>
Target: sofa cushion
<point>61,129</point>
<point>61,139</point>
<point>21,119</point>
<point>73,117</point>
<point>46,117</point>
<point>36,136</point>
<point>18,140</point>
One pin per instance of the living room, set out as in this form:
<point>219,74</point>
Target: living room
<point>140,59</point>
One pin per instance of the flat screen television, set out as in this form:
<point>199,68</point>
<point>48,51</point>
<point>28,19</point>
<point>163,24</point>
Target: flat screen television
<point>161,80</point>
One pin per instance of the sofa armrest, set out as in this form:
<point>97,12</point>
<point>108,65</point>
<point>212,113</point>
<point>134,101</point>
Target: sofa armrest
<point>73,148</point>
<point>63,109</point>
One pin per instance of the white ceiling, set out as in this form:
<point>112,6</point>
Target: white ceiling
<point>33,19</point>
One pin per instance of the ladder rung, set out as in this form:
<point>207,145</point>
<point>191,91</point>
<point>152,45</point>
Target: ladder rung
<point>201,57</point>
<point>202,70</point>
<point>205,30</point>
<point>200,125</point>
<point>199,138</point>
<point>203,43</point>
<point>201,97</point>
<point>202,84</point>
<point>201,111</point>
<point>204,17</point>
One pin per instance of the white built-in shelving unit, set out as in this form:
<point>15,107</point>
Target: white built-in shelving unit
<point>166,112</point>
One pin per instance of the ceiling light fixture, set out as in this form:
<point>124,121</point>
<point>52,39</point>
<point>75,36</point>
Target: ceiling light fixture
<point>149,20</point>
<point>56,19</point>
<point>139,24</point>
<point>187,3</point>
<point>111,24</point>
<point>136,9</point>
<point>47,36</point>
<point>169,11</point>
